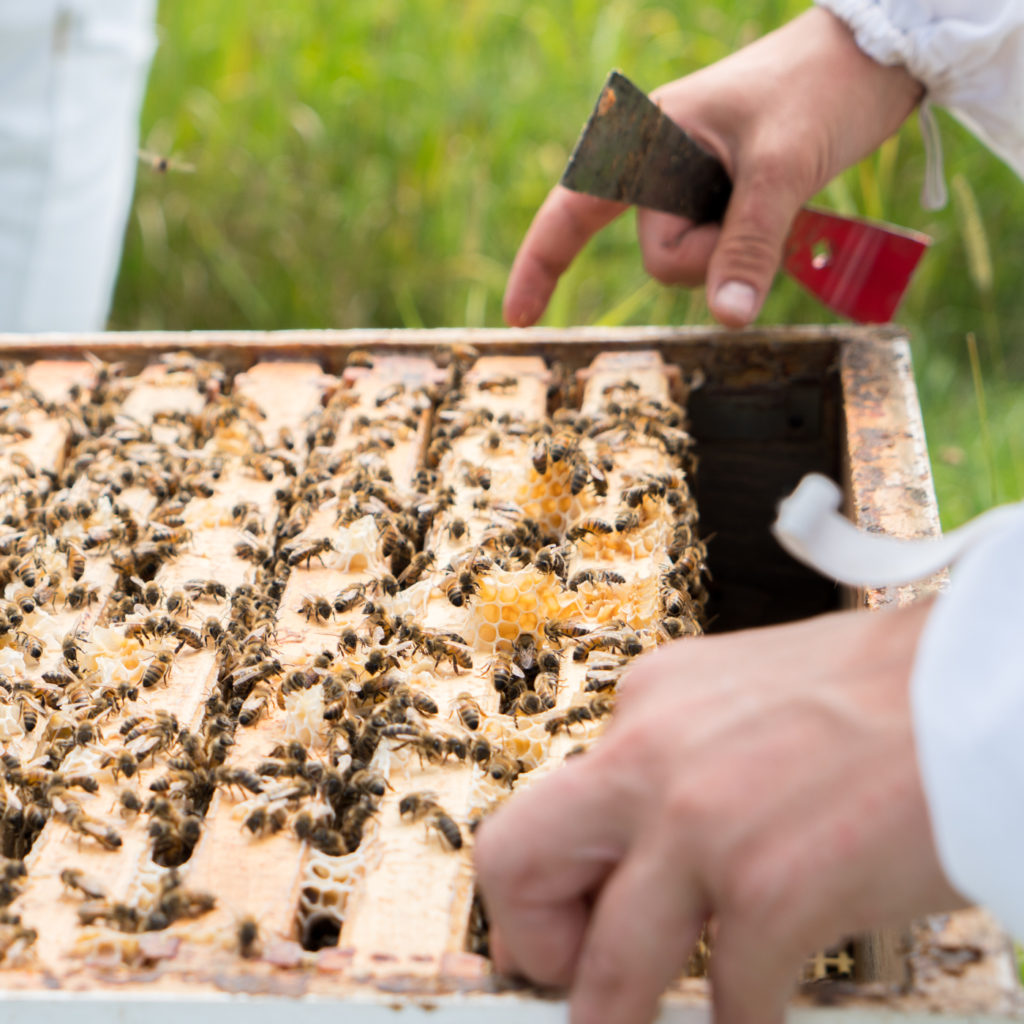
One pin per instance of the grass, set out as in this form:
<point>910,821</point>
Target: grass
<point>377,165</point>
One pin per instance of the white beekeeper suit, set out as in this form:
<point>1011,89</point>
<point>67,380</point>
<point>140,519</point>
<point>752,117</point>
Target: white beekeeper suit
<point>72,78</point>
<point>968,681</point>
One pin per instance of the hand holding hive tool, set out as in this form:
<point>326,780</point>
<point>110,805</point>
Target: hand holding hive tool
<point>631,152</point>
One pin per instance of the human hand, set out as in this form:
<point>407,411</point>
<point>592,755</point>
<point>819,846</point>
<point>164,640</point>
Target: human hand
<point>785,115</point>
<point>767,778</point>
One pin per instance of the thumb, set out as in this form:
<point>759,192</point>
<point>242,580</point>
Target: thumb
<point>749,248</point>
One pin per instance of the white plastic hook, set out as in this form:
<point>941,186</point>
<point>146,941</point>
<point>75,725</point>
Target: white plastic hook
<point>811,528</point>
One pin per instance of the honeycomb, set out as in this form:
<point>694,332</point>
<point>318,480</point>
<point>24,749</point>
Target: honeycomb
<point>272,643</point>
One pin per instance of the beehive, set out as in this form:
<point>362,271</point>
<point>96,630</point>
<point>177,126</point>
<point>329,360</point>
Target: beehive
<point>314,715</point>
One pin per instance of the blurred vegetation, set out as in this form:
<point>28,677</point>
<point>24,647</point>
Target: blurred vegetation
<point>376,164</point>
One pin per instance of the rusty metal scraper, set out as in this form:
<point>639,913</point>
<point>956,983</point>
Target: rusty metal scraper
<point>631,152</point>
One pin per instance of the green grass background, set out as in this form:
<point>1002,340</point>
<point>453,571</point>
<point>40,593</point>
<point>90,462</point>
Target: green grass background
<point>376,163</point>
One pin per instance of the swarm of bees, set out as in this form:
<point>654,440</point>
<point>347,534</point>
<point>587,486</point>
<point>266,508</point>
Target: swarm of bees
<point>484,628</point>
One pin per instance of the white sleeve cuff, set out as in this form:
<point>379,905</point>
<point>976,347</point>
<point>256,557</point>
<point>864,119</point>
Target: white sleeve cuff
<point>968,56</point>
<point>967,695</point>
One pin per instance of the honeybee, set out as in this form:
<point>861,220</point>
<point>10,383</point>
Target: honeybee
<point>243,679</point>
<point>310,550</point>
<point>359,357</point>
<point>255,704</point>
<point>601,576</point>
<point>456,528</point>
<point>29,645</point>
<point>156,671</point>
<point>419,564</point>
<point>590,525</point>
<point>441,647</point>
<point>247,935</point>
<point>130,803</point>
<point>185,635</point>
<point>649,487</point>
<point>78,821</point>
<point>468,710</point>
<point>389,394</point>
<point>424,805</point>
<point>624,640</point>
<point>504,673</point>
<point>626,521</point>
<point>76,562</point>
<point>265,821</point>
<point>565,720</point>
<point>539,455</point>
<point>313,606</point>
<point>75,878</point>
<point>178,603</point>
<point>546,686</point>
<point>527,703</point>
<point>580,476</point>
<point>459,586</point>
<point>81,595</point>
<point>348,598</point>
<point>476,476</point>
<point>250,551</point>
<point>504,768</point>
<point>501,383</point>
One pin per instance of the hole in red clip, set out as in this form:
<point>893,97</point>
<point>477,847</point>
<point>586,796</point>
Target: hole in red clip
<point>821,254</point>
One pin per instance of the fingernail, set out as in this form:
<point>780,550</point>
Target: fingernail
<point>737,300</point>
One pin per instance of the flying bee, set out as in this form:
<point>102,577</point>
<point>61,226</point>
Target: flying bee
<point>309,550</point>
<point>313,606</point>
<point>468,711</point>
<point>600,576</point>
<point>590,525</point>
<point>162,164</point>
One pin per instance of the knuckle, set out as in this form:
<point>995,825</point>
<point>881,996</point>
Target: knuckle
<point>751,885</point>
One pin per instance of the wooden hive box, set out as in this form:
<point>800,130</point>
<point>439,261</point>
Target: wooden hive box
<point>766,407</point>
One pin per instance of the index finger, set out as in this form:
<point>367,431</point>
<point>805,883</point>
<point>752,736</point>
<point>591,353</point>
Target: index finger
<point>561,227</point>
<point>538,859</point>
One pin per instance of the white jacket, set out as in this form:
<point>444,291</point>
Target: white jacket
<point>968,681</point>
